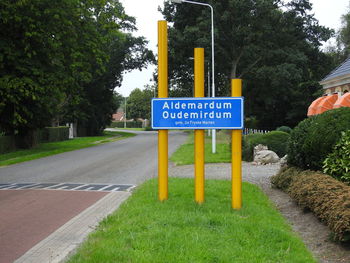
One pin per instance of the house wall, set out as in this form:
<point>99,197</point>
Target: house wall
<point>337,89</point>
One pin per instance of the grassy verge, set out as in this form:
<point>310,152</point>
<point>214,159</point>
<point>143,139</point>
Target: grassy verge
<point>47,149</point>
<point>185,153</point>
<point>178,230</point>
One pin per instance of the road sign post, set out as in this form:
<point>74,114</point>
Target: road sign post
<point>197,113</point>
<point>162,93</point>
<point>236,162</point>
<point>199,134</point>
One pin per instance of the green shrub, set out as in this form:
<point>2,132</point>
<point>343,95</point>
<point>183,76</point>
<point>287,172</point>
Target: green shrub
<point>284,129</point>
<point>326,197</point>
<point>276,141</point>
<point>337,163</point>
<point>251,122</point>
<point>247,149</point>
<point>313,139</point>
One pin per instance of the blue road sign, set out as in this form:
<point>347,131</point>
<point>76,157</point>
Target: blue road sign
<point>197,113</point>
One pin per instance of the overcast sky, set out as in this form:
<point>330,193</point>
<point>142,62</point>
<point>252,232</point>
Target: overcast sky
<point>145,11</point>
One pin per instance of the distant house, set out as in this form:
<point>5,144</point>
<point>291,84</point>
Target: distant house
<point>336,86</point>
<point>118,116</point>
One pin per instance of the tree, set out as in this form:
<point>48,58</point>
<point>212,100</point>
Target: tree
<point>139,103</point>
<point>343,37</point>
<point>33,66</point>
<point>62,60</point>
<point>272,49</point>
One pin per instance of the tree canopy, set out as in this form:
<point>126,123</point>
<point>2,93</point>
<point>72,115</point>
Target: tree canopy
<point>61,60</point>
<point>138,103</point>
<point>343,38</point>
<point>274,46</point>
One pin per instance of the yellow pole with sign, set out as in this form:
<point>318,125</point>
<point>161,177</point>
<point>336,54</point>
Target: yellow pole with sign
<point>162,93</point>
<point>236,170</point>
<point>199,134</point>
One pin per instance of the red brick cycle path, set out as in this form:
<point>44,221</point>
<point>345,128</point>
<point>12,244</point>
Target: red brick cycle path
<point>29,216</point>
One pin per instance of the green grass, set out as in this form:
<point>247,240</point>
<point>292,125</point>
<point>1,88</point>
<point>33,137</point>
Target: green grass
<point>52,148</point>
<point>185,153</point>
<point>178,230</point>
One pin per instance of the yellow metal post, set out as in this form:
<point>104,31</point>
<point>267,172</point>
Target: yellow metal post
<point>162,93</point>
<point>236,85</point>
<point>199,134</point>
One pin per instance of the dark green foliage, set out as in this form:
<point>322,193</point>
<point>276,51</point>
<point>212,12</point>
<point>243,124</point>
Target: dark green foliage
<point>284,129</point>
<point>326,197</point>
<point>343,38</point>
<point>247,149</point>
<point>60,61</point>
<point>313,139</point>
<point>251,123</point>
<point>276,141</point>
<point>139,104</point>
<point>48,134</point>
<point>55,134</point>
<point>7,144</point>
<point>337,163</point>
<point>275,50</point>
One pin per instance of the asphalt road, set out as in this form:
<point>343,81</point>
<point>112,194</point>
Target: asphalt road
<point>128,161</point>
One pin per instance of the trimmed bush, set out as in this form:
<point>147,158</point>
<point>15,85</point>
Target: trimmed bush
<point>284,177</point>
<point>313,139</point>
<point>284,129</point>
<point>276,141</point>
<point>337,163</point>
<point>326,197</point>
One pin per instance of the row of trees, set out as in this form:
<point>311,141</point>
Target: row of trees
<point>274,45</point>
<point>61,60</point>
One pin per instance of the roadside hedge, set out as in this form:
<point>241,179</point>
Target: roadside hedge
<point>129,124</point>
<point>314,138</point>
<point>54,134</point>
<point>48,134</point>
<point>325,196</point>
<point>7,144</point>
<point>276,141</point>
